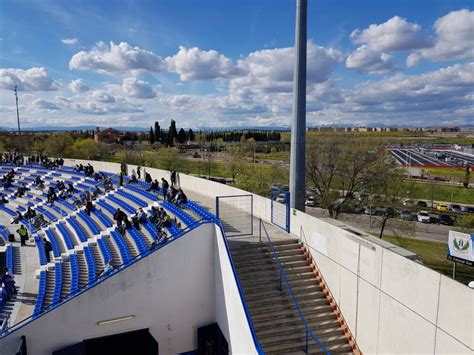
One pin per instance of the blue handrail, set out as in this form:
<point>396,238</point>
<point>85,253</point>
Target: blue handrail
<point>283,277</point>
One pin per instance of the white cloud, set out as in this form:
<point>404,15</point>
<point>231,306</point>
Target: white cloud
<point>271,70</point>
<point>33,79</point>
<point>78,86</point>
<point>445,89</point>
<point>396,34</point>
<point>413,60</point>
<point>70,41</point>
<point>454,37</point>
<point>102,96</point>
<point>45,105</point>
<point>196,64</point>
<point>139,89</point>
<point>116,58</point>
<point>371,61</point>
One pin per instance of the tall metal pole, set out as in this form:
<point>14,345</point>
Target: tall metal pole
<point>298,127</point>
<point>17,112</point>
<point>18,120</point>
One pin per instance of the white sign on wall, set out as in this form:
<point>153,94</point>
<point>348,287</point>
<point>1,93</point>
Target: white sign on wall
<point>460,248</point>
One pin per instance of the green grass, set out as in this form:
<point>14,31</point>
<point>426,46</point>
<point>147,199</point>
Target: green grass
<point>448,173</point>
<point>421,190</point>
<point>433,255</point>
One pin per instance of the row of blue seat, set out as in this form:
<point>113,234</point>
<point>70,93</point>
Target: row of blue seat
<point>77,228</point>
<point>89,222</point>
<point>123,205</point>
<point>122,246</point>
<point>138,238</point>
<point>41,293</point>
<point>58,283</point>
<point>132,198</point>
<point>106,253</point>
<point>143,192</point>
<point>91,266</point>
<point>9,261</point>
<point>41,252</point>
<point>178,212</point>
<point>54,242</point>
<point>106,222</point>
<point>74,273</point>
<point>66,236</point>
<point>199,210</point>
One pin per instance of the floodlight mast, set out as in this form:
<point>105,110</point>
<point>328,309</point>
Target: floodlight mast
<point>18,119</point>
<point>298,127</point>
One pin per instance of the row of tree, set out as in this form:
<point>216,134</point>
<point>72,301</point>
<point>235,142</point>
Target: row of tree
<point>239,136</point>
<point>170,137</point>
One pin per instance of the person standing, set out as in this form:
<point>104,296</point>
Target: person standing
<point>121,178</point>
<point>139,172</point>
<point>173,178</point>
<point>23,233</point>
<point>164,185</point>
<point>47,249</point>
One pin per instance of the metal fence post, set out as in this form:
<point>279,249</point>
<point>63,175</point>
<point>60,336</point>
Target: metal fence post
<point>260,230</point>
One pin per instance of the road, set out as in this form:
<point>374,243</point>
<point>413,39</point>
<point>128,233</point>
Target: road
<point>371,224</point>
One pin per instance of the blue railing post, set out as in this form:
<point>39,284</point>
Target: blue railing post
<point>306,351</point>
<point>281,276</point>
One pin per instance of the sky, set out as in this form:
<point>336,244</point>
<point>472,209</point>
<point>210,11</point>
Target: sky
<point>228,63</point>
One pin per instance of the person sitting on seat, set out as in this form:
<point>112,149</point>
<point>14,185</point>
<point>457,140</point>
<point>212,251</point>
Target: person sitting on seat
<point>155,186</point>
<point>119,216</point>
<point>139,218</point>
<point>47,249</point>
<point>30,213</point>
<point>7,280</point>
<point>17,218</point>
<point>70,188</point>
<point>20,191</point>
<point>50,193</point>
<point>148,178</point>
<point>108,268</point>
<point>96,192</point>
<point>3,200</point>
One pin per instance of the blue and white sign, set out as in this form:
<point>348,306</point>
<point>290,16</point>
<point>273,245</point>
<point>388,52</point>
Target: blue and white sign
<point>460,248</point>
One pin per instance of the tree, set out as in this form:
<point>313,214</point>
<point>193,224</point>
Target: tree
<point>337,169</point>
<point>157,132</point>
<point>234,162</point>
<point>467,176</point>
<point>172,133</point>
<point>181,136</point>
<point>191,136</point>
<point>466,223</point>
<point>88,149</point>
<point>56,144</point>
<point>151,136</point>
<point>168,158</point>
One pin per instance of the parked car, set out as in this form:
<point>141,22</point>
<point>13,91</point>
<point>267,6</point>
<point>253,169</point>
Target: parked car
<point>406,215</point>
<point>424,217</point>
<point>468,209</point>
<point>407,202</point>
<point>441,208</point>
<point>446,219</point>
<point>281,198</point>
<point>359,209</point>
<point>390,212</point>
<point>363,196</point>
<point>455,208</point>
<point>422,204</point>
<point>311,201</point>
<point>371,211</point>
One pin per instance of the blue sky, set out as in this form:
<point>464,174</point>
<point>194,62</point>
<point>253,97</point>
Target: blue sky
<point>229,63</point>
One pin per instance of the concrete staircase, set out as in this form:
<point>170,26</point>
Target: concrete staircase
<point>277,323</point>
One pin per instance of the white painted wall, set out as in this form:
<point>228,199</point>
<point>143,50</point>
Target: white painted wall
<point>229,310</point>
<point>391,304</point>
<point>173,292</point>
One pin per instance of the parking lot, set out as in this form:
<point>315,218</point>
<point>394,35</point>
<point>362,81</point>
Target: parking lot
<point>431,158</point>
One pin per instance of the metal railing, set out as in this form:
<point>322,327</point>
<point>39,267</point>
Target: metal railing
<point>283,279</point>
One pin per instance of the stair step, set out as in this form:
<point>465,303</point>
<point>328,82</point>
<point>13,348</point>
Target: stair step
<point>283,309</point>
<point>321,314</point>
<point>256,245</point>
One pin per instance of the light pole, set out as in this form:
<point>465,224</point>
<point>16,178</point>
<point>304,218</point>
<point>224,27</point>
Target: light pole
<point>298,127</point>
<point>18,119</point>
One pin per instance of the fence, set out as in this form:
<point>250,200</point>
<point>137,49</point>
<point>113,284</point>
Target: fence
<point>236,214</point>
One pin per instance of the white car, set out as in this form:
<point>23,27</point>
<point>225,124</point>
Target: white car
<point>424,217</point>
<point>310,201</point>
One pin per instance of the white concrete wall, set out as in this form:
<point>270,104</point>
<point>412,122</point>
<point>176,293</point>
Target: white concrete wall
<point>391,304</point>
<point>229,310</point>
<point>172,292</point>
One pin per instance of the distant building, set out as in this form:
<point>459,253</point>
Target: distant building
<point>108,135</point>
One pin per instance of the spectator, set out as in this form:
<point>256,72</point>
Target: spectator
<point>148,177</point>
<point>89,207</point>
<point>96,192</point>
<point>17,218</point>
<point>140,218</point>
<point>7,280</point>
<point>139,172</point>
<point>30,213</point>
<point>121,178</point>
<point>23,233</point>
<point>173,178</point>
<point>108,268</point>
<point>47,249</point>
<point>70,188</point>
<point>155,186</point>
<point>164,185</point>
